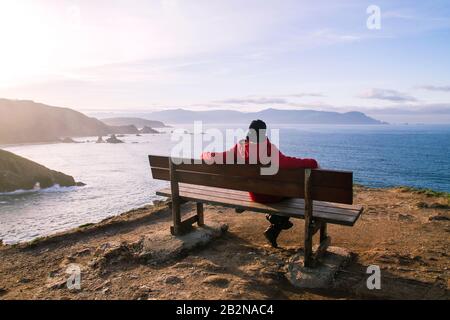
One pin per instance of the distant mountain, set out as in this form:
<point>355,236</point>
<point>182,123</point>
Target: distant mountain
<point>138,122</point>
<point>24,121</point>
<point>20,173</point>
<point>273,116</point>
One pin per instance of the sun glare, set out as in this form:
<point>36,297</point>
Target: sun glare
<point>29,36</point>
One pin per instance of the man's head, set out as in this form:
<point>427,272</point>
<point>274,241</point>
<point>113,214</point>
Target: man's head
<point>256,129</point>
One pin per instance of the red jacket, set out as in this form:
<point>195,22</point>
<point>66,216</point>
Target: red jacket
<point>241,150</point>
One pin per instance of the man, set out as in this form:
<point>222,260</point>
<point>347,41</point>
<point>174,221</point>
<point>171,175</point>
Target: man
<point>256,138</point>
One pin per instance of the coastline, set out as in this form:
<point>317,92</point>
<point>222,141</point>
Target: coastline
<point>404,231</point>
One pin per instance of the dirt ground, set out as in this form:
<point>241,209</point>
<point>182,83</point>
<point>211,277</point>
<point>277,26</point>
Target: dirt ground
<point>404,232</point>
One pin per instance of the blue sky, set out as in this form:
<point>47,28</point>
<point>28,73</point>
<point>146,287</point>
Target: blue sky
<point>234,54</point>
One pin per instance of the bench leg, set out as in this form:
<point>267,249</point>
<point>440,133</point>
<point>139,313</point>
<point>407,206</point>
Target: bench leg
<point>309,224</point>
<point>200,216</point>
<point>323,231</point>
<point>308,255</point>
<point>174,188</point>
<point>176,216</point>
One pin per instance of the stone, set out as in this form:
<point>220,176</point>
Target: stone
<point>24,280</point>
<point>145,288</point>
<point>217,281</point>
<point>173,280</point>
<point>438,218</point>
<point>405,217</point>
<point>162,246</point>
<point>57,284</point>
<point>323,274</point>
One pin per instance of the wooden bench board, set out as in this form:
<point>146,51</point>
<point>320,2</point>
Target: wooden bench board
<point>333,213</point>
<point>327,185</point>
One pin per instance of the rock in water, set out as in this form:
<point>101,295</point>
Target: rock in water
<point>19,173</point>
<point>148,130</point>
<point>100,140</point>
<point>68,140</point>
<point>113,139</point>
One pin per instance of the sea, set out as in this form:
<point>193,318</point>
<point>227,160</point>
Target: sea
<point>118,177</point>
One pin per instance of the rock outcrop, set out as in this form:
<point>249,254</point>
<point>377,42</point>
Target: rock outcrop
<point>128,129</point>
<point>18,173</point>
<point>138,122</point>
<point>148,130</point>
<point>113,139</point>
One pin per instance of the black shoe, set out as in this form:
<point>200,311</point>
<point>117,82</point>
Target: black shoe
<point>281,222</point>
<point>286,225</point>
<point>271,235</point>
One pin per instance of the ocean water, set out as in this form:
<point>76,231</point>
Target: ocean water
<point>118,178</point>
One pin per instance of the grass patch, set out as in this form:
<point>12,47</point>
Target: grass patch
<point>427,192</point>
<point>424,205</point>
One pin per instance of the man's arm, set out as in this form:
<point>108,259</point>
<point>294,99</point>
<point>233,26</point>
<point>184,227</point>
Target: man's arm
<point>219,157</point>
<point>287,162</point>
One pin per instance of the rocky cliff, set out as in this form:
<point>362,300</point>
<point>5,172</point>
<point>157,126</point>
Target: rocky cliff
<point>19,173</point>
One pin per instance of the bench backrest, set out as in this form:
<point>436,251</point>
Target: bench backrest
<point>326,185</point>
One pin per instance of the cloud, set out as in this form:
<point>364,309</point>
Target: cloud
<point>435,88</point>
<point>254,101</point>
<point>274,99</point>
<point>327,36</point>
<point>387,94</point>
<point>305,94</point>
<point>424,109</point>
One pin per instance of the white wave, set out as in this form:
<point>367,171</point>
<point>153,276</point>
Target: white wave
<point>53,189</point>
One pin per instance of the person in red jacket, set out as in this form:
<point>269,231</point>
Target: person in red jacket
<point>241,153</point>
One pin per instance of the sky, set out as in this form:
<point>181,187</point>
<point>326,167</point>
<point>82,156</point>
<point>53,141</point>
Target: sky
<point>136,55</point>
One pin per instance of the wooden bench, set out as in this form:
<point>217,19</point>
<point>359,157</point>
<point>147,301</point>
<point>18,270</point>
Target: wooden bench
<point>318,196</point>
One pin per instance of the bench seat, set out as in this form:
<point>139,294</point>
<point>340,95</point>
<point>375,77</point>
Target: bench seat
<point>328,212</point>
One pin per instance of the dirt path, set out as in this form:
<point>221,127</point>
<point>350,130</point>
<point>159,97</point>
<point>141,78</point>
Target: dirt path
<point>404,232</point>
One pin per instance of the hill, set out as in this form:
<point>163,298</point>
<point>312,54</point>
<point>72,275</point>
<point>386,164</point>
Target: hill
<point>269,115</point>
<point>24,121</point>
<point>138,122</point>
<point>19,173</point>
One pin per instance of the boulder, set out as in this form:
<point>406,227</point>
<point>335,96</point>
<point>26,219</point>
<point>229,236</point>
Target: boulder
<point>113,139</point>
<point>322,275</point>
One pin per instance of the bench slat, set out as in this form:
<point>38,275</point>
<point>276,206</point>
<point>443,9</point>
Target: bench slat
<point>301,202</point>
<point>282,205</point>
<point>258,185</point>
<point>289,203</point>
<point>321,177</point>
<point>281,208</point>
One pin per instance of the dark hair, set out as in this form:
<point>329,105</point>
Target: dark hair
<point>255,128</point>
